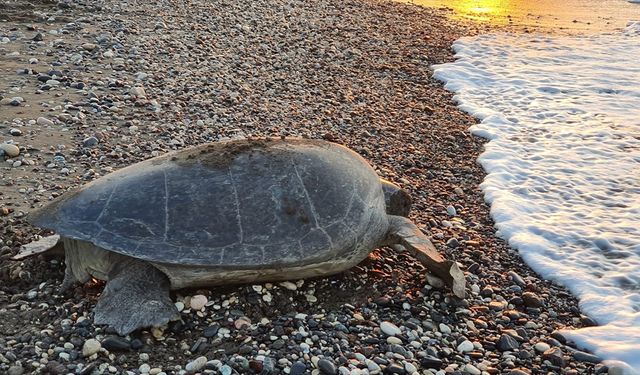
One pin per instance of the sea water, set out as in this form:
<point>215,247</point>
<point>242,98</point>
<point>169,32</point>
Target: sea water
<point>562,114</point>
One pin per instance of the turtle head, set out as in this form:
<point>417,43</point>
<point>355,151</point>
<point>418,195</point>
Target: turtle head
<point>397,200</point>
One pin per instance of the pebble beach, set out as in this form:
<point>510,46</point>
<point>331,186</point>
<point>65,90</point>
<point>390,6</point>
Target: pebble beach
<point>90,87</point>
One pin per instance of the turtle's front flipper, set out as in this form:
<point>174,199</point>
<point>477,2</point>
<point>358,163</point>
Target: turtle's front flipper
<point>136,296</point>
<point>406,233</point>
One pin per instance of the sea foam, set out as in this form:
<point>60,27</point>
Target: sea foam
<point>563,165</point>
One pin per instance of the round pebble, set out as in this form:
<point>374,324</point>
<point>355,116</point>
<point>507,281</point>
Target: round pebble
<point>90,347</point>
<point>198,302</point>
<point>10,149</point>
<point>465,346</point>
<point>390,329</point>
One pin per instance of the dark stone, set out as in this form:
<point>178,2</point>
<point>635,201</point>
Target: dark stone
<point>196,345</point>
<point>395,369</point>
<point>553,342</point>
<point>256,366</point>
<point>116,343</point>
<point>136,344</point>
<point>78,342</point>
<point>474,268</point>
<point>532,300</point>
<point>298,368</point>
<point>525,354</point>
<point>558,336</point>
<point>586,357</point>
<point>278,344</point>
<point>326,367</point>
<point>56,368</point>
<point>430,362</point>
<point>245,349</point>
<point>43,77</point>
<point>516,301</point>
<point>399,350</point>
<point>486,292</point>
<point>381,361</point>
<point>211,331</point>
<point>38,37</point>
<point>507,343</point>
<point>90,142</point>
<point>587,321</point>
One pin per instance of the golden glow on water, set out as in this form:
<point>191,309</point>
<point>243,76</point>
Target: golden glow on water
<point>481,10</point>
<point>554,14</point>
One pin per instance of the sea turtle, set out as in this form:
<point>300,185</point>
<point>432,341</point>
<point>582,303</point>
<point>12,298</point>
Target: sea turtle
<point>242,211</point>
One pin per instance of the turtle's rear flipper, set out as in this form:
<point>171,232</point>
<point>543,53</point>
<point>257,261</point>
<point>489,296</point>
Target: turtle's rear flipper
<point>136,296</point>
<point>404,232</point>
<point>50,244</point>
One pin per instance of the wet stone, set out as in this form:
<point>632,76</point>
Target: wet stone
<point>586,357</point>
<point>115,343</point>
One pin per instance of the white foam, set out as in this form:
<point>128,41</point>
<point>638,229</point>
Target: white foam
<point>563,164</point>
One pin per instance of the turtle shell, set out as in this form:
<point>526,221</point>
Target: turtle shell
<point>237,204</point>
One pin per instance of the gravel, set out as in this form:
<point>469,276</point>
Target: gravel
<point>114,83</point>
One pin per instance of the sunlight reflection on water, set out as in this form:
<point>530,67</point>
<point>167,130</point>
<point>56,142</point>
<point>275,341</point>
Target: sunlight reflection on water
<point>571,14</point>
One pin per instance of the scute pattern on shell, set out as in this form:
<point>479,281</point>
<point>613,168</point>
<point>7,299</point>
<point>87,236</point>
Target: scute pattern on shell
<point>277,204</point>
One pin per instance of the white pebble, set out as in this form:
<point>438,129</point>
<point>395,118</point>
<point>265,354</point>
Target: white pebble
<point>288,285</point>
<point>196,364</point>
<point>471,369</point>
<point>144,368</point>
<point>390,329</point>
<point>465,346</point>
<point>44,121</point>
<point>198,301</point>
<point>542,347</point>
<point>90,347</point>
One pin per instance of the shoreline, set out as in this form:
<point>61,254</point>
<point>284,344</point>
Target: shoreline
<point>356,73</point>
